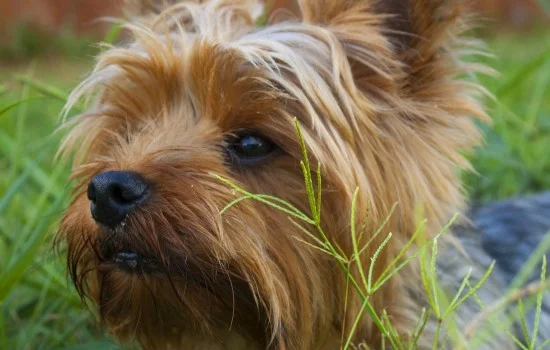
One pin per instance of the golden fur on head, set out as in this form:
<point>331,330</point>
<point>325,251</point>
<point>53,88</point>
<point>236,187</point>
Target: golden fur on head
<point>374,85</point>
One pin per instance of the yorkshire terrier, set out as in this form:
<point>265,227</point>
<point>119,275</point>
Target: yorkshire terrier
<point>383,96</point>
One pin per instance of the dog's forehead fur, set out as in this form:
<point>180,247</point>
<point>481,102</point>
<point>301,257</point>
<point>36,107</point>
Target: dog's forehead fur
<point>346,82</point>
<point>381,106</point>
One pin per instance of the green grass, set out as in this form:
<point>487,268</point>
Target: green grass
<point>38,306</point>
<point>39,309</point>
<point>515,159</point>
<point>26,42</point>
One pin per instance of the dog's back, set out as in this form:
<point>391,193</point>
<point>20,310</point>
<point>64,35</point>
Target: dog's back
<point>506,233</point>
<point>511,230</point>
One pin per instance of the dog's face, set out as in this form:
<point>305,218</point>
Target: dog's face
<point>201,90</point>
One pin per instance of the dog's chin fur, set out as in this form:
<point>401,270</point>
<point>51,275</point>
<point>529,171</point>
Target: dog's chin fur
<point>375,86</point>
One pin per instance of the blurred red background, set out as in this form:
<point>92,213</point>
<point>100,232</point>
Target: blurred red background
<point>79,15</point>
<point>52,15</point>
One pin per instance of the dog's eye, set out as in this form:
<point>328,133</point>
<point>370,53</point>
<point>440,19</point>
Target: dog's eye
<point>250,148</point>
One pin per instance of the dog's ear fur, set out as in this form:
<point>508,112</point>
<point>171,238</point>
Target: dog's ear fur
<point>419,30</point>
<point>414,21</point>
<point>408,20</point>
<point>406,55</point>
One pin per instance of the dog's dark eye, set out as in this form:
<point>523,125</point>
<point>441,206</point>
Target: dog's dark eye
<point>250,148</point>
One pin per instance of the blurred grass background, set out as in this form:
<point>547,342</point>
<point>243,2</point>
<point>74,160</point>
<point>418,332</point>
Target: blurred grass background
<point>40,310</point>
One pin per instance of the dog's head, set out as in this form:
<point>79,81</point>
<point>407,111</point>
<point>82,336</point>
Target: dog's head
<point>201,89</point>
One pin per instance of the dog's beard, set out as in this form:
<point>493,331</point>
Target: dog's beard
<point>162,274</point>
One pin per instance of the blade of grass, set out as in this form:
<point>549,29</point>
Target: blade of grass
<point>454,303</point>
<point>318,248</point>
<point>377,232</point>
<point>389,271</point>
<point>355,323</point>
<point>353,223</point>
<point>3,331</point>
<point>18,103</point>
<point>262,199</point>
<point>267,197</point>
<point>421,325</point>
<point>37,173</point>
<point>538,96</point>
<point>13,190</point>
<point>10,277</point>
<point>544,344</point>
<point>538,309</point>
<point>21,117</point>
<point>522,74</point>
<point>113,33</point>
<point>478,285</point>
<point>45,89</point>
<point>523,321</point>
<point>531,264</point>
<point>306,169</point>
<point>374,258</point>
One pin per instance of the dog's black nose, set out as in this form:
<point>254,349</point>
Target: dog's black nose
<point>113,194</point>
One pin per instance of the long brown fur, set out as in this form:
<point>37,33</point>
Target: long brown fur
<point>378,89</point>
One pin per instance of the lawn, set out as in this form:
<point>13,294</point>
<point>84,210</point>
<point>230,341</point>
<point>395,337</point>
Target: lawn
<point>39,309</point>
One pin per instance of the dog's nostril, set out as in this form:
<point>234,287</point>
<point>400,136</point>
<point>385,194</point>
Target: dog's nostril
<point>91,192</point>
<point>113,194</point>
<point>128,192</point>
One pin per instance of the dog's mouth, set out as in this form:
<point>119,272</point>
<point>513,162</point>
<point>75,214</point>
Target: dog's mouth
<point>129,260</point>
<point>134,262</point>
<point>124,257</point>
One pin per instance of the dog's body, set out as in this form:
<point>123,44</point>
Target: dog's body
<point>201,90</point>
<point>509,232</point>
<point>506,232</point>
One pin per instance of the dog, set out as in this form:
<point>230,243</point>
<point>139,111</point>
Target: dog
<point>200,93</point>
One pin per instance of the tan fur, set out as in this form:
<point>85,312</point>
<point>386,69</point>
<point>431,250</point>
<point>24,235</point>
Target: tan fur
<point>376,87</point>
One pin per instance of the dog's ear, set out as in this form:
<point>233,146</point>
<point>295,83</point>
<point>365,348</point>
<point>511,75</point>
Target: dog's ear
<point>420,29</point>
<point>417,29</point>
<point>407,19</point>
<point>406,56</point>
